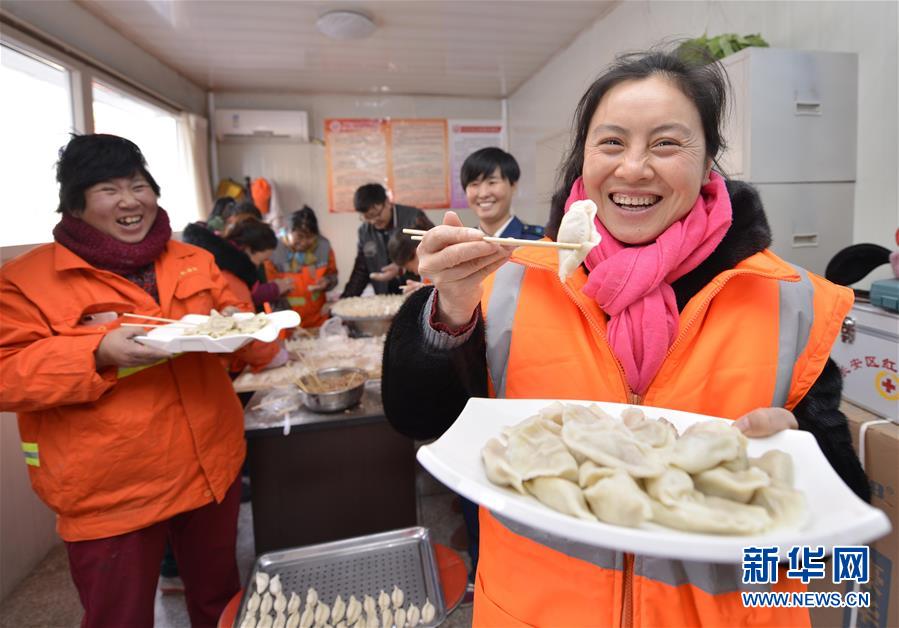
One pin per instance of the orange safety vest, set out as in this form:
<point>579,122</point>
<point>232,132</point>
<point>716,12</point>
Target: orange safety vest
<point>115,451</point>
<point>308,303</point>
<point>757,335</point>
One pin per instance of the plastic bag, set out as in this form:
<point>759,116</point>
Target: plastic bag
<point>333,327</point>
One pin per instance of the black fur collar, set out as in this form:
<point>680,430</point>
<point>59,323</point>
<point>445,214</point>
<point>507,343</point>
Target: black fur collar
<point>748,234</point>
<point>227,256</point>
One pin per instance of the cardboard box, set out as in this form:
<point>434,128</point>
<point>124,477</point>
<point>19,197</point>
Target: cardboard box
<point>882,466</point>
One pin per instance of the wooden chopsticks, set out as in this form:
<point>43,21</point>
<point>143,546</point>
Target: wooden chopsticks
<point>417,234</point>
<point>171,321</point>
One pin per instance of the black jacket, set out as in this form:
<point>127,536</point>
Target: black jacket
<point>227,256</point>
<point>371,253</point>
<point>425,390</point>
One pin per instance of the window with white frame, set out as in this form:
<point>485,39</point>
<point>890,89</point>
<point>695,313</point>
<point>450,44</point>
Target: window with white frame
<point>160,137</point>
<point>35,122</point>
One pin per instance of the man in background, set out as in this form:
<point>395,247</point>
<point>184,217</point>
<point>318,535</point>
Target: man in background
<point>381,218</point>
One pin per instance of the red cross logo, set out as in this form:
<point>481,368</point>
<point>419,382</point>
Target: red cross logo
<point>887,385</point>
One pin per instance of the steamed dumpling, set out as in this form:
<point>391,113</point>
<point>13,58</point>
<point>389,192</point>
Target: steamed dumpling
<point>578,226</point>
<point>261,582</point>
<point>399,617</point>
<point>736,485</point>
<point>616,448</point>
<point>589,473</point>
<point>618,499</point>
<point>712,515</point>
<point>786,506</point>
<point>274,585</point>
<point>659,434</point>
<point>534,451</point>
<point>497,466</point>
<point>706,445</point>
<point>778,465</point>
<point>559,494</point>
<point>266,621</point>
<point>267,602</point>
<point>280,621</point>
<point>670,487</point>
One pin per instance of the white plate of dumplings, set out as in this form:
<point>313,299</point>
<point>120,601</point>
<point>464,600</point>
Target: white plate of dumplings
<point>831,515</point>
<point>176,338</point>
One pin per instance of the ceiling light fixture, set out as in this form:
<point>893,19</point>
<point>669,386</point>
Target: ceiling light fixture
<point>345,25</point>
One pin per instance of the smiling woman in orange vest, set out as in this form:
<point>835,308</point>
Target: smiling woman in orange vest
<point>310,263</point>
<point>130,446</point>
<point>680,306</point>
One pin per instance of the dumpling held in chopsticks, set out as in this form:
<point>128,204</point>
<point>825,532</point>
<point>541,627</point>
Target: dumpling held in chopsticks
<point>577,227</point>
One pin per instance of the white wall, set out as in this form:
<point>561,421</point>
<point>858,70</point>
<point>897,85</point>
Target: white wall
<point>27,526</point>
<point>71,24</point>
<point>298,170</point>
<point>543,107</point>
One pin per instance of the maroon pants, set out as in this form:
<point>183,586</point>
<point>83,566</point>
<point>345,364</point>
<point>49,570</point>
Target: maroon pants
<point>116,577</point>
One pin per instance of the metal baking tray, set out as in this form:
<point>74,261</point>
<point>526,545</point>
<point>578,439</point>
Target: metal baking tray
<point>359,566</point>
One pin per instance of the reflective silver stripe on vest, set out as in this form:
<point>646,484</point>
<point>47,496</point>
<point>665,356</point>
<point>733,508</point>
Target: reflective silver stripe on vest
<point>795,324</point>
<point>713,578</point>
<point>500,316</point>
<point>601,557</point>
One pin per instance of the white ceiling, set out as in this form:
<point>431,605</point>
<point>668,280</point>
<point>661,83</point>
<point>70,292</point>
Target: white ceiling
<point>449,47</point>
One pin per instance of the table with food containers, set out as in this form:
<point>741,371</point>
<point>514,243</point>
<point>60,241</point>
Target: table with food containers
<point>327,466</point>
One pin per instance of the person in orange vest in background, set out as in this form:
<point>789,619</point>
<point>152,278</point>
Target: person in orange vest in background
<point>129,445</point>
<point>310,263</point>
<point>401,249</point>
<point>680,305</point>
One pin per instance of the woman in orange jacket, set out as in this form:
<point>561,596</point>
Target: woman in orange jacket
<point>681,305</point>
<point>310,264</point>
<point>129,445</point>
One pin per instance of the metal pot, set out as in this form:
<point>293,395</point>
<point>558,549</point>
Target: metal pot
<point>368,325</point>
<point>339,399</point>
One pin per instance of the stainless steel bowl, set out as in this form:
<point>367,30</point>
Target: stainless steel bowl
<point>339,399</point>
<point>368,325</point>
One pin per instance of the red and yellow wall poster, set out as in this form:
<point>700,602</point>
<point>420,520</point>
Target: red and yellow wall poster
<point>356,152</point>
<point>419,163</point>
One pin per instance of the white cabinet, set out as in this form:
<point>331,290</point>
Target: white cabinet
<point>793,116</point>
<point>791,132</point>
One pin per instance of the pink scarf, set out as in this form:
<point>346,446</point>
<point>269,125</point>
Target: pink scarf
<point>632,284</point>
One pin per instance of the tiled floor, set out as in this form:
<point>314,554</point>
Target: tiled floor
<point>47,597</point>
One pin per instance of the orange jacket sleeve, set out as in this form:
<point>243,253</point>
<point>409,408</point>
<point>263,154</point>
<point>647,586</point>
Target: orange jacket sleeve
<point>256,354</point>
<point>40,370</point>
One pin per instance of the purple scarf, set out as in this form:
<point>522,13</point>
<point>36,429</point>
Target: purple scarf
<point>103,251</point>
